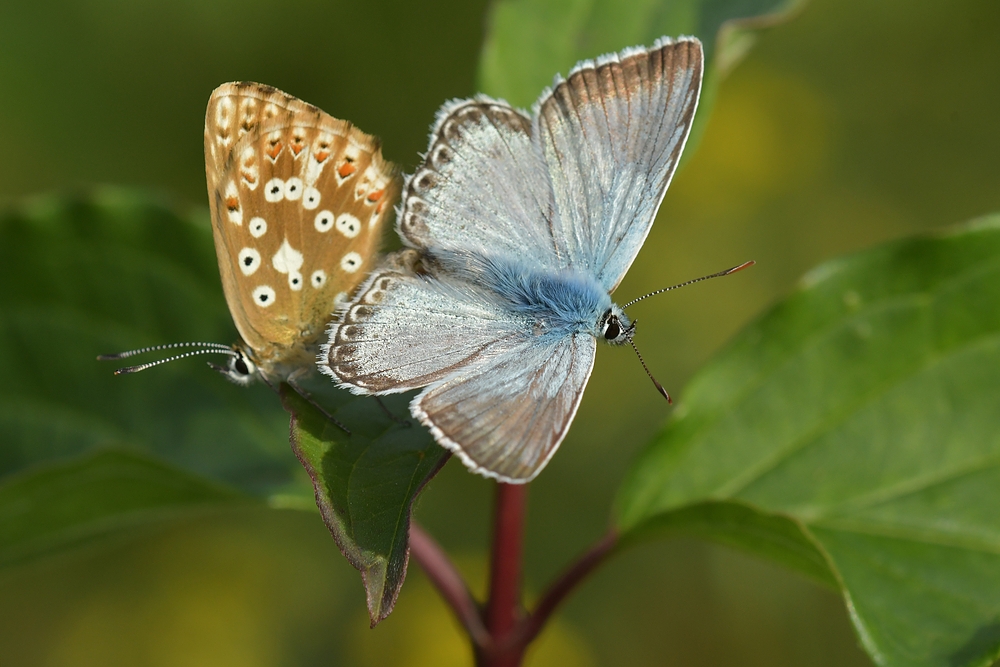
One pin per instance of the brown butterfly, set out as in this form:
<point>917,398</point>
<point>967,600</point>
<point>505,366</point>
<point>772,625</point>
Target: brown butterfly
<point>298,201</point>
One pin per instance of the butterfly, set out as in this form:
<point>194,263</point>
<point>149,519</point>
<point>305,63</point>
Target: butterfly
<point>519,227</point>
<point>298,201</point>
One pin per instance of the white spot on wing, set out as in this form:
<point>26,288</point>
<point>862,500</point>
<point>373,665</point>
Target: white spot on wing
<point>318,278</point>
<point>248,109</point>
<point>274,191</point>
<point>339,299</point>
<point>348,225</point>
<point>295,281</point>
<point>248,169</point>
<point>324,221</point>
<point>365,185</point>
<point>249,260</point>
<point>310,200</point>
<point>224,113</point>
<point>293,189</point>
<point>314,167</point>
<point>350,262</point>
<point>263,296</point>
<point>258,227</point>
<point>287,259</point>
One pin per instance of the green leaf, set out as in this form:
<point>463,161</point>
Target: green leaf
<point>118,270</point>
<point>62,505</point>
<point>863,411</point>
<point>365,485</point>
<point>773,536</point>
<point>529,41</point>
<point>115,270</point>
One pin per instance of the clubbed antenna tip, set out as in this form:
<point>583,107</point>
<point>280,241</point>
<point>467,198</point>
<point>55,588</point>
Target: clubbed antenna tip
<point>656,383</point>
<point>692,282</point>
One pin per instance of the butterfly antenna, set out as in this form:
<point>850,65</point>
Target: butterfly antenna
<point>659,387</point>
<point>141,367</point>
<point>691,282</point>
<point>155,348</point>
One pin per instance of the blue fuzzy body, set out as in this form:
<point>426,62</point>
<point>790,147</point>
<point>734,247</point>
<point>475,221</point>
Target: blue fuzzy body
<point>556,304</point>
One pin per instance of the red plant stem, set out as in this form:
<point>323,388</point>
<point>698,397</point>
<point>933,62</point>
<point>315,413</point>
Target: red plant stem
<point>529,628</point>
<point>501,633</point>
<point>503,609</point>
<point>443,575</point>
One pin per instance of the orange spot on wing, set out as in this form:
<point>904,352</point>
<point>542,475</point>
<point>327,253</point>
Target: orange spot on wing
<point>275,150</point>
<point>381,207</point>
<point>321,156</point>
<point>296,148</point>
<point>233,203</point>
<point>346,169</point>
<point>249,178</point>
<point>376,195</point>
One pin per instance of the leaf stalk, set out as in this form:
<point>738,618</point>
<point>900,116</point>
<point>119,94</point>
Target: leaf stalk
<point>501,630</point>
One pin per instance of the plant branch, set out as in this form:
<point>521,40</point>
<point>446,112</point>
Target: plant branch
<point>503,608</point>
<point>449,583</point>
<point>529,628</point>
<point>501,632</point>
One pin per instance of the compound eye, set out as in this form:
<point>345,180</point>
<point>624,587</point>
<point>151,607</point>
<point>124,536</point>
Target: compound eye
<point>241,366</point>
<point>613,329</point>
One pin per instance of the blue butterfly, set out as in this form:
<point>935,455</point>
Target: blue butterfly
<point>519,228</point>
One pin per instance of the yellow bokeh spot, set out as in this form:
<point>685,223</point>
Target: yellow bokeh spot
<point>768,133</point>
<point>178,615</point>
<point>422,632</point>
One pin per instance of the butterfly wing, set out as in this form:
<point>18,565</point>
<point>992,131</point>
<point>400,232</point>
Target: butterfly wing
<point>506,415</point>
<point>611,135</point>
<point>298,201</point>
<point>498,396</point>
<point>482,186</point>
<point>402,331</point>
<point>578,188</point>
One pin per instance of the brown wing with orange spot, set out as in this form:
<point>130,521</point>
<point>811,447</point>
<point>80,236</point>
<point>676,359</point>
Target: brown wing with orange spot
<point>299,200</point>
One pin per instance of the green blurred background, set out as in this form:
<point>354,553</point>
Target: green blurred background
<point>853,123</point>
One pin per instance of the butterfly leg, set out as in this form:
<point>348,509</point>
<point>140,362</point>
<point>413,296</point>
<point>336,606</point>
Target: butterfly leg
<point>388,413</point>
<point>301,391</point>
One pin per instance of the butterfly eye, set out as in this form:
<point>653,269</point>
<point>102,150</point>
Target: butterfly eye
<point>240,366</point>
<point>612,329</point>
